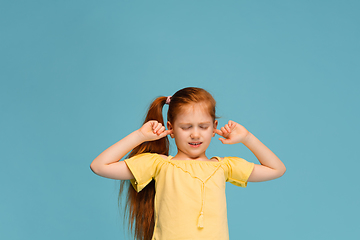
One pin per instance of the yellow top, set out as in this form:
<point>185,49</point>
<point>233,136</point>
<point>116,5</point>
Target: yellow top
<point>190,198</point>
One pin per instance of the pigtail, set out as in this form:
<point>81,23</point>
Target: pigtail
<point>139,206</point>
<point>160,146</point>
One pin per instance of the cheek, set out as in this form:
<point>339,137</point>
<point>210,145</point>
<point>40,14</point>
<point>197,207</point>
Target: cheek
<point>179,134</point>
<point>210,133</point>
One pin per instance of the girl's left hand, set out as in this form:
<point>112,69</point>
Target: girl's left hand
<point>232,133</point>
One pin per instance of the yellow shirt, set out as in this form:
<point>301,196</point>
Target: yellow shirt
<point>190,198</point>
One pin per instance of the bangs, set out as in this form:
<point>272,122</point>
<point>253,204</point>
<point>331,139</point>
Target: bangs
<point>204,106</point>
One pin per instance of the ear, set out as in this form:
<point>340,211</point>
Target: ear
<point>169,127</point>
<point>215,126</point>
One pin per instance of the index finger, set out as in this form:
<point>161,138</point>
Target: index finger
<point>165,133</point>
<point>217,131</point>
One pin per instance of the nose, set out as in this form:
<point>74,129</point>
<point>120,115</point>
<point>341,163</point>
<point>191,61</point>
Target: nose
<point>195,133</point>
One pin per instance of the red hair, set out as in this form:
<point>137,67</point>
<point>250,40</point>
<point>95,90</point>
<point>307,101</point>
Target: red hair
<point>140,205</point>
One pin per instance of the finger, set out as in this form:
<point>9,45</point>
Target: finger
<point>161,130</point>
<point>227,127</point>
<point>233,125</point>
<point>153,122</point>
<point>217,131</point>
<point>156,127</point>
<point>223,130</point>
<point>224,141</point>
<point>153,125</point>
<point>165,133</point>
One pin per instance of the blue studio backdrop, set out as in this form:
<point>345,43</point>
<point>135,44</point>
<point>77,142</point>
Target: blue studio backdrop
<point>77,76</point>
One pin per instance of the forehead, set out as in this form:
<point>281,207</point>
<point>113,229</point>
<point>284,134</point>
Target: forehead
<point>194,113</point>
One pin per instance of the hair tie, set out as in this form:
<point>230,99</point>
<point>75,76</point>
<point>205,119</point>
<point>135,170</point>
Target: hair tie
<point>168,99</point>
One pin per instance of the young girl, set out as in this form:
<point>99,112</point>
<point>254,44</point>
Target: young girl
<point>183,197</point>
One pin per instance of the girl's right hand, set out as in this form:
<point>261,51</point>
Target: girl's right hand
<point>153,130</point>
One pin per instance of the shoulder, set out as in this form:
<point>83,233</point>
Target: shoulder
<point>163,156</point>
<point>234,162</point>
<point>144,161</point>
<point>225,159</point>
<point>217,159</point>
<point>233,159</point>
<point>230,158</point>
<point>147,156</point>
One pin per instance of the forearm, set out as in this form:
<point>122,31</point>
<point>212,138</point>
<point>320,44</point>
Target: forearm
<point>119,149</point>
<point>265,156</point>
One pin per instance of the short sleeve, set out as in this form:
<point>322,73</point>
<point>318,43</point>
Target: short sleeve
<point>238,170</point>
<point>143,167</point>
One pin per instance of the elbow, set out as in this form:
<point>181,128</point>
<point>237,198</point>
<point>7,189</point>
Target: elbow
<point>93,168</point>
<point>282,171</point>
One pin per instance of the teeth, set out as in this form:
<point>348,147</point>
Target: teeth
<point>194,143</point>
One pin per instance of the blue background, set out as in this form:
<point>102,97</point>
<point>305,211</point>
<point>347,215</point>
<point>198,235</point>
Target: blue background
<point>77,76</point>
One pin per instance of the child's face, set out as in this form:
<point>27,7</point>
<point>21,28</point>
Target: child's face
<point>193,129</point>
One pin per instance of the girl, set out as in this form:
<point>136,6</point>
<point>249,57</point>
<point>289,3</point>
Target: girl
<point>183,197</point>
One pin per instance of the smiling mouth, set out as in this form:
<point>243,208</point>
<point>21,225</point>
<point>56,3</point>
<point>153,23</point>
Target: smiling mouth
<point>195,144</point>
